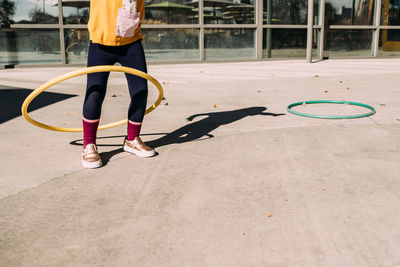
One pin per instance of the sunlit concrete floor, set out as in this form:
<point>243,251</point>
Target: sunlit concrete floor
<point>238,180</point>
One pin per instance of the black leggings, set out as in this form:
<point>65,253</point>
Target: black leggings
<point>130,55</point>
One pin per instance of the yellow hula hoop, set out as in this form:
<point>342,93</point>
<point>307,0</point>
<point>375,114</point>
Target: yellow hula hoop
<point>69,75</point>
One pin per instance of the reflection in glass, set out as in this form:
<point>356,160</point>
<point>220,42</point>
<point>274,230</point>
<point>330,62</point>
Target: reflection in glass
<point>389,43</point>
<point>349,12</point>
<point>228,12</point>
<point>76,45</point>
<point>7,11</point>
<point>287,11</point>
<point>32,46</point>
<point>229,43</point>
<point>167,12</point>
<point>284,43</point>
<point>350,43</point>
<point>35,12</point>
<point>76,12</point>
<point>390,12</point>
<point>171,44</point>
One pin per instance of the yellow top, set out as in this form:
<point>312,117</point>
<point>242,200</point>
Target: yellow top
<point>103,22</point>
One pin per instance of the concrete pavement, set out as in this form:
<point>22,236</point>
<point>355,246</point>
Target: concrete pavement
<point>243,183</point>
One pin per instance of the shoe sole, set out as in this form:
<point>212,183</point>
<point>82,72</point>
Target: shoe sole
<point>139,154</point>
<point>92,165</point>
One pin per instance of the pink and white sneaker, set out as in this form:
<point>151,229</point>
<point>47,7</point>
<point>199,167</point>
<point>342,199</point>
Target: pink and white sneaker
<point>138,148</point>
<point>90,157</point>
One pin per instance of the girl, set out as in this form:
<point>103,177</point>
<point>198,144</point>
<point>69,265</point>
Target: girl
<point>115,36</point>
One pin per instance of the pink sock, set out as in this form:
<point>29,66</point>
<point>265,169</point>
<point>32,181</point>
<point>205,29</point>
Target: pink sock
<point>133,129</point>
<point>89,131</point>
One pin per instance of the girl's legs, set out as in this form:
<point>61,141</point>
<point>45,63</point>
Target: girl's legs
<point>138,90</point>
<point>95,91</point>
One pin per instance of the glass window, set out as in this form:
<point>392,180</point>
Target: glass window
<point>390,12</point>
<point>389,43</point>
<point>76,45</point>
<point>167,12</point>
<point>76,12</point>
<point>171,44</point>
<point>32,46</point>
<point>287,11</point>
<point>35,12</point>
<point>284,43</point>
<point>229,12</point>
<point>350,12</point>
<point>349,43</point>
<point>229,43</point>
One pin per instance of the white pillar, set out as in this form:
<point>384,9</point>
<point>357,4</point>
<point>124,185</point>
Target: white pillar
<point>322,31</point>
<point>310,30</point>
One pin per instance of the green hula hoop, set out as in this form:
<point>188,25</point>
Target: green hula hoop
<point>331,102</point>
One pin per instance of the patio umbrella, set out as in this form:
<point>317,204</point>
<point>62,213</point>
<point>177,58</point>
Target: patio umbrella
<point>239,11</point>
<point>168,6</point>
<point>212,3</point>
<point>213,6</point>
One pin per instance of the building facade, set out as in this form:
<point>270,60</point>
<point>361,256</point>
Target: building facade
<point>43,32</point>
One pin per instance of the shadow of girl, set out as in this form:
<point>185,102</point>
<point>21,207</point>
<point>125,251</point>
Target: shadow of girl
<point>193,131</point>
<point>203,127</point>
